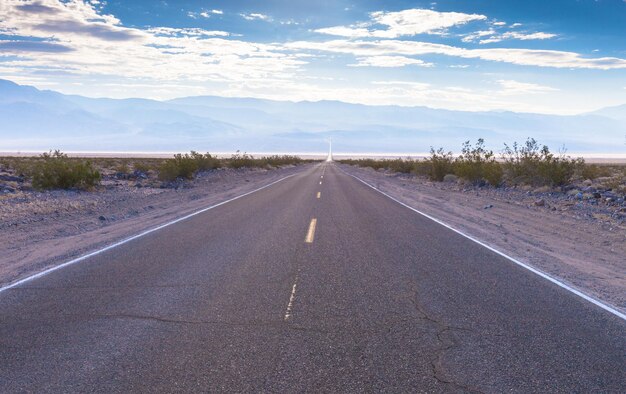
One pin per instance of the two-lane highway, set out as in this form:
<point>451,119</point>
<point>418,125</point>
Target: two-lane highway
<point>316,283</point>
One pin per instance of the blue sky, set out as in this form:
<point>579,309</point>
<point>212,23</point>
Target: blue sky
<point>532,56</point>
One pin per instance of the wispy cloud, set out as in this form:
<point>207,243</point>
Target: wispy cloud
<point>256,17</point>
<point>403,23</point>
<point>526,57</point>
<point>515,87</point>
<point>73,41</point>
<point>204,13</point>
<point>32,46</point>
<point>76,37</point>
<point>517,36</point>
<point>389,61</point>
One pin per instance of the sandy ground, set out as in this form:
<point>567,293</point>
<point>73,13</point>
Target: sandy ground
<point>40,230</point>
<point>578,245</point>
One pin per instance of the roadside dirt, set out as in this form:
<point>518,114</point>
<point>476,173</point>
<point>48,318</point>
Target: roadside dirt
<point>580,247</point>
<point>42,229</point>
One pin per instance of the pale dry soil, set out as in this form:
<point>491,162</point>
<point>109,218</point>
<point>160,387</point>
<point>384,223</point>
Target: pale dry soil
<point>585,250</point>
<point>39,230</point>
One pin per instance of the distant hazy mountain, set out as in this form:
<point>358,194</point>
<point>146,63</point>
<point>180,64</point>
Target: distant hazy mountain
<point>618,112</point>
<point>31,119</point>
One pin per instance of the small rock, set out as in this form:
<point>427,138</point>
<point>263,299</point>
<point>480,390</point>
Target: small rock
<point>540,203</point>
<point>597,195</point>
<point>140,174</point>
<point>488,206</point>
<point>543,189</point>
<point>138,185</point>
<point>11,178</point>
<point>102,218</point>
<point>6,189</point>
<point>579,196</point>
<point>450,178</point>
<point>589,189</point>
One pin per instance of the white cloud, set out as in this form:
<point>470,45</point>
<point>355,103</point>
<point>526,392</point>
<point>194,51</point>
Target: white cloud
<point>186,32</point>
<point>491,36</point>
<point>514,25</point>
<point>75,40</point>
<point>477,35</point>
<point>204,13</point>
<point>411,84</point>
<point>516,87</point>
<point>525,57</point>
<point>256,17</point>
<point>389,61</point>
<point>403,23</point>
<point>517,36</point>
<point>499,23</point>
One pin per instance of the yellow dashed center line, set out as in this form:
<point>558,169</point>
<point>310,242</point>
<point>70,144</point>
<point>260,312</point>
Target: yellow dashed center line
<point>310,235</point>
<point>319,194</point>
<point>320,182</point>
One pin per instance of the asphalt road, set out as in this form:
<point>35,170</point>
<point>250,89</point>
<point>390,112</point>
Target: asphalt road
<point>251,296</point>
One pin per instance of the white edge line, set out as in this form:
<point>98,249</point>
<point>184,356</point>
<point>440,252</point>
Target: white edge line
<point>524,265</point>
<point>99,251</point>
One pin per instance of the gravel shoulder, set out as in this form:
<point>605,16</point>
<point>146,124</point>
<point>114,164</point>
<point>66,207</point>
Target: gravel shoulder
<point>581,245</point>
<point>39,230</point>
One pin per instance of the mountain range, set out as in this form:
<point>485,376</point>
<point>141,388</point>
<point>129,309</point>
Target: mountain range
<point>37,120</point>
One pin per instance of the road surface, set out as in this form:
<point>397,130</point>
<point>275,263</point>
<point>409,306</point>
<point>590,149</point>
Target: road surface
<point>317,283</point>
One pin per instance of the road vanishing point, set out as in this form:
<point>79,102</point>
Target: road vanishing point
<point>316,283</point>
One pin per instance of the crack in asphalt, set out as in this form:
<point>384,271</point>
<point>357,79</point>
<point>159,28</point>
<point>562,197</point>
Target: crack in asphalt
<point>447,340</point>
<point>280,324</point>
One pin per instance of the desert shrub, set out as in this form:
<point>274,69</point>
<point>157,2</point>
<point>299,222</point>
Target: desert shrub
<point>142,166</point>
<point>122,167</point>
<point>405,166</point>
<point>205,162</point>
<point>421,167</point>
<point>180,166</point>
<point>283,160</point>
<point>55,170</point>
<point>397,165</point>
<point>535,165</point>
<point>440,163</point>
<point>593,171</point>
<point>185,166</point>
<point>493,173</point>
<point>240,160</point>
<point>476,164</point>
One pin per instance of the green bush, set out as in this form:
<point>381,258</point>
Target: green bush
<point>276,160</point>
<point>240,160</point>
<point>186,165</point>
<point>122,168</point>
<point>537,166</point>
<point>142,166</point>
<point>205,162</point>
<point>55,170</point>
<point>476,164</point>
<point>593,171</point>
<point>180,166</point>
<point>440,163</point>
